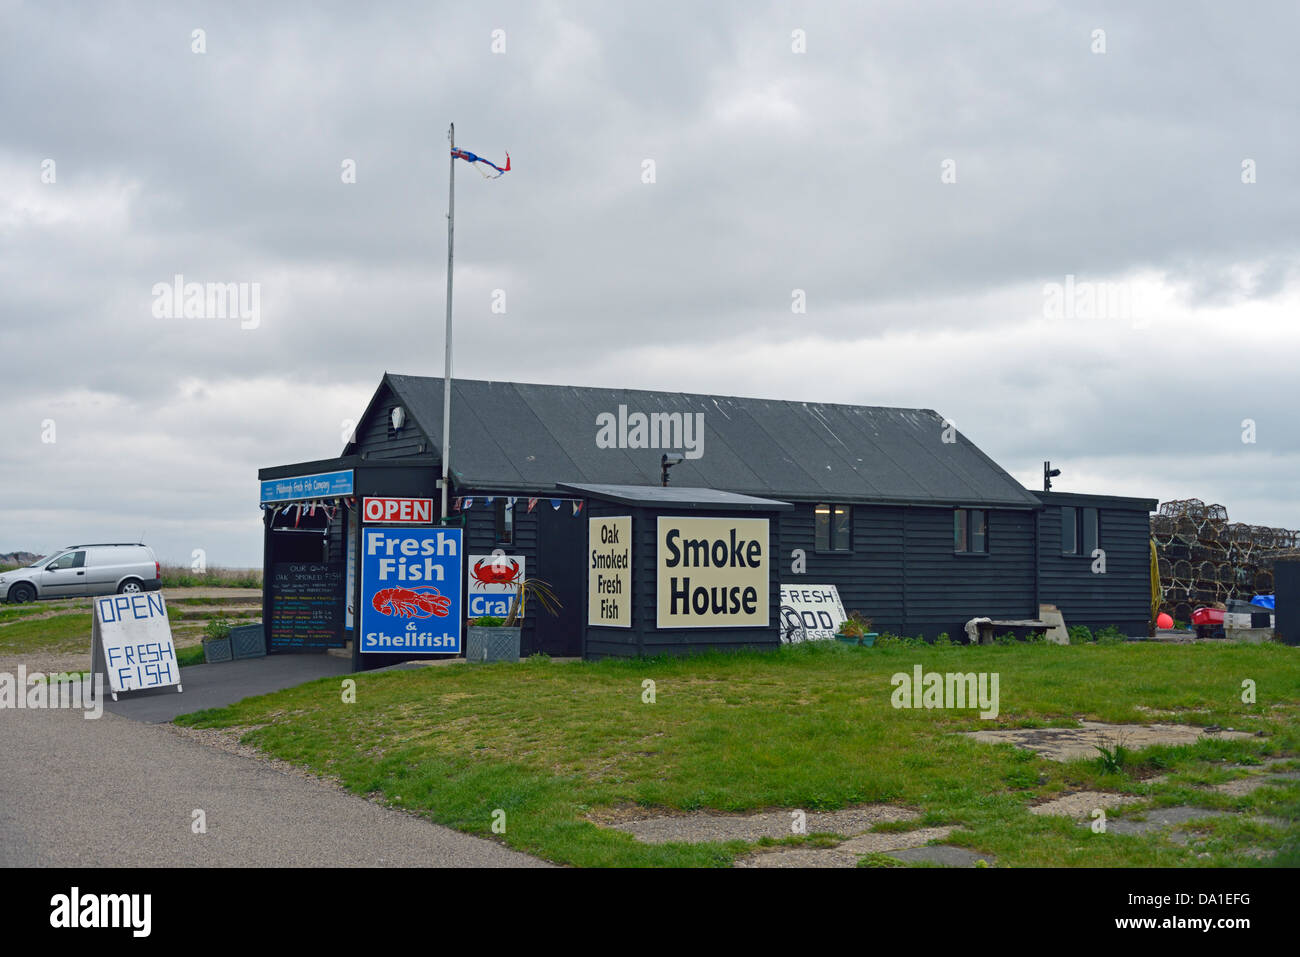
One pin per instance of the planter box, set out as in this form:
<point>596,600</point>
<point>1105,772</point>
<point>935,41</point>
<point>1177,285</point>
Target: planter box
<point>248,641</point>
<point>866,641</point>
<point>492,644</point>
<point>217,650</point>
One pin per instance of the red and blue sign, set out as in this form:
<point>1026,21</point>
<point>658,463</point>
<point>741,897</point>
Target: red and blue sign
<point>411,590</point>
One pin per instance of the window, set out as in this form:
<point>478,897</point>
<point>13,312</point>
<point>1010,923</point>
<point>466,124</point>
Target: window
<point>1079,531</point>
<point>70,560</point>
<point>505,521</point>
<point>1069,530</point>
<point>831,528</point>
<point>970,531</point>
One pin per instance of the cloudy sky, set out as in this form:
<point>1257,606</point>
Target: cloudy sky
<point>1077,245</point>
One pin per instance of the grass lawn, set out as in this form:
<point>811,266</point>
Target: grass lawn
<point>67,630</point>
<point>810,727</point>
<point>62,626</point>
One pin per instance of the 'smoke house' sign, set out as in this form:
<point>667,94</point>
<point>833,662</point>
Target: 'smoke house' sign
<point>712,572</point>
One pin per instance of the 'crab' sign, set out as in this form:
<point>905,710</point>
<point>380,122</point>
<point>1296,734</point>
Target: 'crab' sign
<point>493,583</point>
<point>410,590</point>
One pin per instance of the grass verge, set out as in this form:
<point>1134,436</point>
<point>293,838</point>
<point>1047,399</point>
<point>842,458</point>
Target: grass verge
<point>810,726</point>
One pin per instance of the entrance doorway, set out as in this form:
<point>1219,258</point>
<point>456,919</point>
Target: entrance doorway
<point>561,553</point>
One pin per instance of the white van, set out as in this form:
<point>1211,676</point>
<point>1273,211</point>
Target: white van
<point>81,570</point>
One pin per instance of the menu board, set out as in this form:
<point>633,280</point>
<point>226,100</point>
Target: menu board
<point>307,605</point>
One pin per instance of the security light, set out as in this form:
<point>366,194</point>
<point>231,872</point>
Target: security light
<point>668,461</point>
<point>1049,473</point>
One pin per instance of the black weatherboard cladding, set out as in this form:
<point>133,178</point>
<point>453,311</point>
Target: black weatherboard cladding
<point>902,572</point>
<point>513,436</point>
<point>1122,595</point>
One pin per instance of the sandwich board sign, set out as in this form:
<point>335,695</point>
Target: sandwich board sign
<point>131,643</point>
<point>810,612</point>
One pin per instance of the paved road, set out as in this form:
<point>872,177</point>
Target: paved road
<point>115,792</point>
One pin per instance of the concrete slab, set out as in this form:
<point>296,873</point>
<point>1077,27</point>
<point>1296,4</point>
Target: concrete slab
<point>844,855</point>
<point>1080,805</point>
<point>215,686</point>
<point>1160,818</point>
<point>1247,785</point>
<point>697,827</point>
<point>944,855</point>
<point>1073,744</point>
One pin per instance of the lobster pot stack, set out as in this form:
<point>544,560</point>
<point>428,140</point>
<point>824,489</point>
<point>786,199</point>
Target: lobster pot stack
<point>1204,559</point>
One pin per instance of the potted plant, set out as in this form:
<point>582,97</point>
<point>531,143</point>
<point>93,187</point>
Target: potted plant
<point>216,641</point>
<point>856,630</point>
<point>495,639</point>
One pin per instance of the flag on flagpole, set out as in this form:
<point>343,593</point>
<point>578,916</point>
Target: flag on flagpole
<point>469,157</point>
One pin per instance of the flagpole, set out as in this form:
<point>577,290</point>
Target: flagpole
<point>446,379</point>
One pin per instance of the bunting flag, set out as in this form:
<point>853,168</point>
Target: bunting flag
<point>455,503</point>
<point>577,506</point>
<point>512,501</point>
<point>489,500</point>
<point>297,515</point>
<point>532,502</point>
<point>555,503</point>
<point>469,157</point>
<point>469,503</point>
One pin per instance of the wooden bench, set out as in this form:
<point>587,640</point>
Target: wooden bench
<point>988,628</point>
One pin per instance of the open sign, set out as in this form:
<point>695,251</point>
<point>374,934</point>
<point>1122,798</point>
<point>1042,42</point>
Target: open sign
<point>398,511</point>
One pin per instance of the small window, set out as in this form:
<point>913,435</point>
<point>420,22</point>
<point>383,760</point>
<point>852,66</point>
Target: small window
<point>1069,530</point>
<point>832,527</point>
<point>505,521</point>
<point>1080,532</point>
<point>70,560</point>
<point>979,530</point>
<point>1089,531</point>
<point>970,531</point>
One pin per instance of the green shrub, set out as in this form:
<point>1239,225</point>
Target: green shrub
<point>1110,635</point>
<point>1080,634</point>
<point>217,628</point>
<point>1113,760</point>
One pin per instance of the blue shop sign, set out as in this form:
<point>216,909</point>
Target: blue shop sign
<point>321,485</point>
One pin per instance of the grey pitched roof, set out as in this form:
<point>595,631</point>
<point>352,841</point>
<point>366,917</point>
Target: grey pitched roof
<point>512,436</point>
<point>676,497</point>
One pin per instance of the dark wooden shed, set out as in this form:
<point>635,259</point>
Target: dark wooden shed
<point>916,527</point>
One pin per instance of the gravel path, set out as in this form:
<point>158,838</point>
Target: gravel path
<point>113,792</point>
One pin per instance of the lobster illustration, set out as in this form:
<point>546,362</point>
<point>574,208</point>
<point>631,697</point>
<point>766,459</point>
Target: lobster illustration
<point>411,602</point>
<point>495,573</point>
